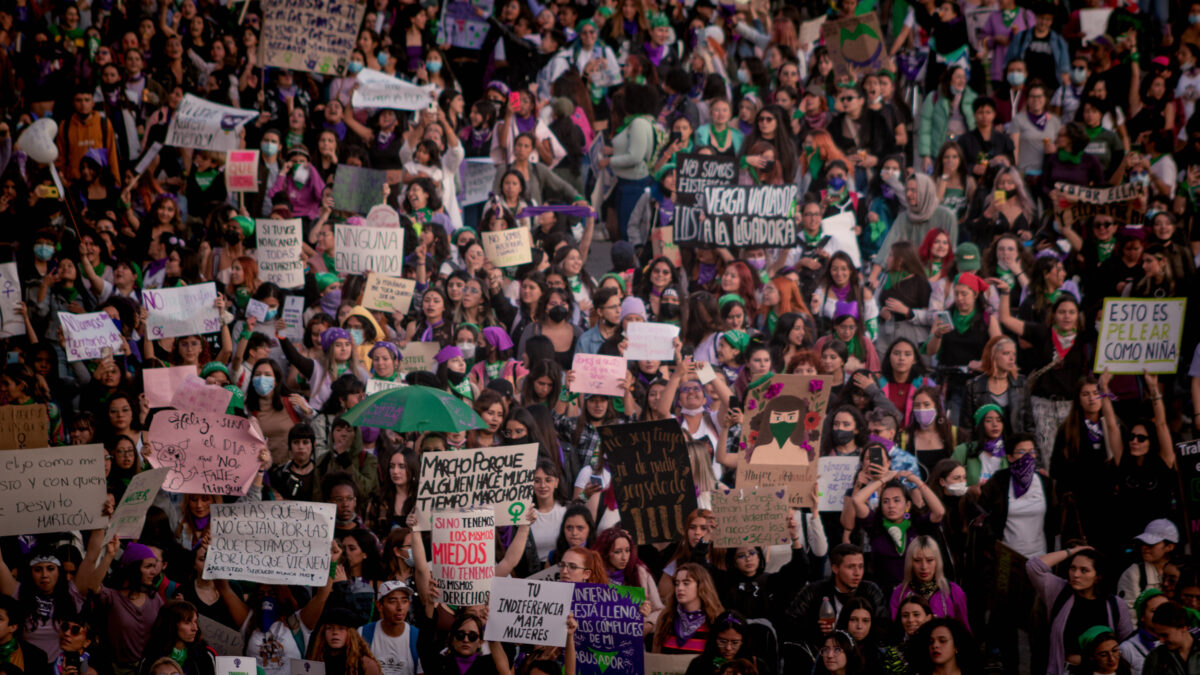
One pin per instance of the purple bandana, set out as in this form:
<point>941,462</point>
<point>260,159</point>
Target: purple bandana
<point>1022,475</point>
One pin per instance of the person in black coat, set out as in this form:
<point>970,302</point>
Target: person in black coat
<point>802,614</point>
<point>731,638</point>
<point>14,652</point>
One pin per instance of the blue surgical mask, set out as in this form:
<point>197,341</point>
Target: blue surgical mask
<point>354,67</point>
<point>743,76</point>
<point>43,252</point>
<point>957,91</point>
<point>1079,75</point>
<point>356,336</point>
<point>270,148</point>
<point>271,314</point>
<point>1016,78</point>
<point>263,384</point>
<point>1139,177</point>
<point>1193,19</point>
<point>837,183</point>
<point>433,66</point>
<point>382,58</point>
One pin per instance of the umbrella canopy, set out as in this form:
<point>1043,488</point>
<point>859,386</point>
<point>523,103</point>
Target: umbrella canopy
<point>414,408</point>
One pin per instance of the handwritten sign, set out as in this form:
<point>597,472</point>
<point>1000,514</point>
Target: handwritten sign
<point>379,90</point>
<point>1137,335</point>
<point>235,665</point>
<point>161,384</point>
<point>11,323</point>
<point>375,386</point>
<point>130,515</point>
<point>759,217</point>
<point>662,245</point>
<point>841,229</point>
<point>460,27</point>
<point>854,42</point>
<point>207,453</point>
<point>753,517</point>
<point>596,374</point>
<point>420,356</point>
<point>696,172</point>
<point>52,490</point>
<point>464,555</point>
<point>836,477</point>
<point>314,35</point>
<point>798,479</point>
<point>24,426</point>
<point>651,477</point>
<point>257,309</point>
<point>508,248</point>
<point>359,249</point>
<point>1085,202</point>
<point>223,639</point>
<point>500,477</point>
<point>650,341</point>
<point>278,252</point>
<point>609,639</point>
<point>293,318</point>
<point>89,335</point>
<point>241,171</point>
<point>204,125</point>
<point>195,394</point>
<point>477,175</point>
<point>528,612</point>
<point>186,310</point>
<point>280,542</point>
<point>356,189</point>
<point>388,294</point>
<point>795,404</point>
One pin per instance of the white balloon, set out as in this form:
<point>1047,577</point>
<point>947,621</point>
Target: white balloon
<point>37,141</point>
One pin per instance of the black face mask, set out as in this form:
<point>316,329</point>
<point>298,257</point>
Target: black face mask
<point>668,311</point>
<point>232,238</point>
<point>841,437</point>
<point>557,314</point>
<point>455,377</point>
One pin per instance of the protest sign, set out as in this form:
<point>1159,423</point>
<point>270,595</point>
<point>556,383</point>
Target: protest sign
<point>476,176</point>
<point>662,245</point>
<point>357,189</point>
<point>207,453</point>
<point>528,612</point>
<point>52,490</point>
<point>693,174</point>
<point>359,249</point>
<point>151,152</point>
<point>841,229</point>
<point>799,401</point>
<point>419,356</point>
<point>235,665</point>
<point>1093,22</point>
<point>204,125</point>
<point>810,31</point>
<point>651,477</point>
<point>303,667</point>
<point>312,35</point>
<point>1188,460</point>
<point>278,252</point>
<point>667,664</point>
<point>508,248</point>
<point>184,310</point>
<point>24,426</point>
<point>609,638</point>
<point>196,394</point>
<point>241,171</point>
<point>11,323</point>
<point>130,515</point>
<point>547,574</point>
<point>597,374</point>
<point>741,216</point>
<point>281,542</point>
<point>382,215</point>
<point>854,42</point>
<point>293,318</point>
<point>224,640</point>
<point>257,309</point>
<point>705,373</point>
<point>1140,335</point>
<point>1085,202</point>
<point>836,477</point>
<point>88,336</point>
<point>799,479</point>
<point>375,386</point>
<point>388,294</point>
<point>464,555</point>
<point>500,477</point>
<point>459,25</point>
<point>379,90</point>
<point>650,341</point>
<point>751,517</point>
<point>161,384</point>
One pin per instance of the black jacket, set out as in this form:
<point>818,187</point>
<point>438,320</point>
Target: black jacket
<point>799,620</point>
<point>1018,415</point>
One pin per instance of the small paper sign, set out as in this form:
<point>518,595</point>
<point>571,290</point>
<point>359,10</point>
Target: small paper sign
<point>650,341</point>
<point>388,294</point>
<point>751,517</point>
<point>508,248</point>
<point>241,171</point>
<point>597,374</point>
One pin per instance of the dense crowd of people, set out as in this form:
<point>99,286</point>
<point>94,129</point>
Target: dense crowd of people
<point>1013,510</point>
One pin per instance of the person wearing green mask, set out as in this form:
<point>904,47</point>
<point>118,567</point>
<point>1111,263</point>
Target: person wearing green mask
<point>783,433</point>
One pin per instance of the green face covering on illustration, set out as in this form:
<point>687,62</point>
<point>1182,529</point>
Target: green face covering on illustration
<point>781,430</point>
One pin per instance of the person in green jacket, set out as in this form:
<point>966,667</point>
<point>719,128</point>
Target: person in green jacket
<point>986,455</point>
<point>947,113</point>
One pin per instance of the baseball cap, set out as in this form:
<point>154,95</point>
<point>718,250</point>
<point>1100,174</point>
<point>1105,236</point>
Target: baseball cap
<point>388,587</point>
<point>1158,530</point>
<point>967,257</point>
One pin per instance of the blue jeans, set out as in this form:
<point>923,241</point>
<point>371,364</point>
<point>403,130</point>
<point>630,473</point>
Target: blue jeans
<point>625,196</point>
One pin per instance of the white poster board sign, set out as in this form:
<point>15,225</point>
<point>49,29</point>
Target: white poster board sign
<point>204,125</point>
<point>271,542</point>
<point>184,310</point>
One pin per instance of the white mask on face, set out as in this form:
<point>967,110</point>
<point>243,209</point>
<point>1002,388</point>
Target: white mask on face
<point>956,489</point>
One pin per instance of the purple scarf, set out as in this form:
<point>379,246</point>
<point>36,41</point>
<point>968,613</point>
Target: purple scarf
<point>706,274</point>
<point>842,294</point>
<point>1038,121</point>
<point>655,54</point>
<point>525,125</point>
<point>1022,475</point>
<point>687,623</point>
<point>994,447</point>
<point>427,336</point>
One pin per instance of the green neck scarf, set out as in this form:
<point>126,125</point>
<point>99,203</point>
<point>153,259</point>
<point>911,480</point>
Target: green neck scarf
<point>329,260</point>
<point>814,165</point>
<point>935,268</point>
<point>898,531</point>
<point>1009,16</point>
<point>811,240</point>
<point>99,269</point>
<point>852,347</point>
<point>962,322</point>
<point>627,121</point>
<point>719,136</point>
<point>894,278</point>
<point>7,649</point>
<point>575,283</point>
<point>1104,249</point>
<point>463,390</point>
<point>772,321</point>
<point>1093,132</point>
<point>1069,158</point>
<point>179,655</point>
<point>204,179</point>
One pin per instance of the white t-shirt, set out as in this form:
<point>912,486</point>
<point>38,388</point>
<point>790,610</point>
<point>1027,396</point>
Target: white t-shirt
<point>545,530</point>
<point>1024,531</point>
<point>585,477</point>
<point>988,465</point>
<point>394,654</point>
<point>275,648</point>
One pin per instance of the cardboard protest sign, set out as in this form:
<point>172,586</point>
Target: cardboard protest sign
<point>280,542</point>
<point>499,477</point>
<point>161,384</point>
<point>836,477</point>
<point>24,426</point>
<point>651,476</point>
<point>799,479</point>
<point>208,453</point>
<point>359,249</point>
<point>476,177</point>
<point>195,394</point>
<point>204,125</point>
<point>356,189</point>
<point>464,555</point>
<point>380,90</point>
<point>694,173</point>
<point>1085,202</point>
<point>375,386</point>
<point>52,490</point>
<point>1140,335</point>
<point>88,336</point>
<point>459,25</point>
<point>11,323</point>
<point>388,294</point>
<point>662,245</point>
<point>609,639</point>
<point>278,252</point>
<point>841,229</point>
<point>130,515</point>
<point>854,42</point>
<point>597,374</point>
<point>528,612</point>
<point>741,216</point>
<point>184,310</point>
<point>650,341</point>
<point>293,318</point>
<point>784,418</point>
<point>1187,455</point>
<point>751,517</point>
<point>241,171</point>
<point>419,356</point>
<point>312,35</point>
<point>224,640</point>
<point>810,31</point>
<point>508,248</point>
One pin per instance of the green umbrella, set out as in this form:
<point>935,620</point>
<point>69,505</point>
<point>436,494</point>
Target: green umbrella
<point>414,408</point>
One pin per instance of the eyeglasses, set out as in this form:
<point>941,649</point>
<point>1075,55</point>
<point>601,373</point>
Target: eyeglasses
<point>466,636</point>
<point>691,390</point>
<point>71,628</point>
<point>747,555</point>
<point>576,568</point>
<point>1140,438</point>
<point>612,307</point>
<point>722,642</point>
<point>831,651</point>
<point>846,99</point>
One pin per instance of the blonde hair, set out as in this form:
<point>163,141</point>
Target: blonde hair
<point>701,461</point>
<point>925,543</point>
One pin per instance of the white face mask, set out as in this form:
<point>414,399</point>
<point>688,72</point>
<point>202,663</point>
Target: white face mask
<point>468,349</point>
<point>956,489</point>
<point>301,174</point>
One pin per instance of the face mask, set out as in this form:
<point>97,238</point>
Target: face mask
<point>925,417</point>
<point>889,175</point>
<point>1079,75</point>
<point>841,437</point>
<point>433,66</point>
<point>668,311</point>
<point>1193,18</point>
<point>331,301</point>
<point>876,99</point>
<point>271,314</point>
<point>837,183</point>
<point>743,76</point>
<point>957,91</point>
<point>354,68</point>
<point>382,58</point>
<point>268,615</point>
<point>455,377</point>
<point>270,148</point>
<point>356,336</point>
<point>1139,177</point>
<point>232,237</point>
<point>558,314</point>
<point>300,174</point>
<point>263,384</point>
<point>468,350</point>
<point>956,489</point>
<point>43,252</point>
<point>757,263</point>
<point>408,557</point>
<point>1016,78</point>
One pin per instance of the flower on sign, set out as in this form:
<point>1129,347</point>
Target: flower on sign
<point>811,421</point>
<point>751,404</point>
<point>773,390</point>
<point>815,385</point>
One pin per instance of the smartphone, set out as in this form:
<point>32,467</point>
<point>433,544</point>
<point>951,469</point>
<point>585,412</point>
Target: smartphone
<point>734,403</point>
<point>675,137</point>
<point>944,317</point>
<point>875,455</point>
<point>686,351</point>
<point>596,480</point>
<point>14,357</point>
<point>72,661</point>
<point>513,100</point>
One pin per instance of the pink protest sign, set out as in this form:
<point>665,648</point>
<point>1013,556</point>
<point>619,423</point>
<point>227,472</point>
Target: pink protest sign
<point>162,383</point>
<point>596,374</point>
<point>241,171</point>
<point>206,453</point>
<point>197,395</point>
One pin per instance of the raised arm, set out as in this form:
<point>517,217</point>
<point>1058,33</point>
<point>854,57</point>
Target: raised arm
<point>516,550</point>
<point>1165,449</point>
<point>91,571</point>
<point>1006,318</point>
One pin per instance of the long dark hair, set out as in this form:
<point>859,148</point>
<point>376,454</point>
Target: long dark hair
<point>165,632</point>
<point>277,396</point>
<point>60,595</point>
<point>918,366</point>
<point>575,509</point>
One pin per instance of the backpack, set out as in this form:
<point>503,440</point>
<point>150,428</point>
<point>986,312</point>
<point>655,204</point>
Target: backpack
<point>368,634</point>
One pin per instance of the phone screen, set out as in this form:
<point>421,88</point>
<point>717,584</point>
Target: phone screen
<point>875,455</point>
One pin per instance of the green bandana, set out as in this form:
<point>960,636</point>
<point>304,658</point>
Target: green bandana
<point>852,347</point>
<point>1104,249</point>
<point>814,165</point>
<point>627,121</point>
<point>463,390</point>
<point>7,649</point>
<point>1093,132</point>
<point>329,260</point>
<point>241,296</point>
<point>575,283</point>
<point>898,531</point>
<point>811,240</point>
<point>781,430</point>
<point>179,656</point>
<point>204,179</point>
<point>894,278</point>
<point>962,322</point>
<point>1009,16</point>
<point>1069,158</point>
<point>935,268</point>
<point>772,320</point>
<point>719,136</point>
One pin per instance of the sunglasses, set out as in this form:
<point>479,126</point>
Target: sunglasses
<point>846,99</point>
<point>1140,438</point>
<point>72,629</point>
<point>466,636</point>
